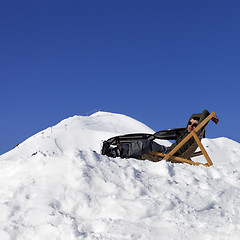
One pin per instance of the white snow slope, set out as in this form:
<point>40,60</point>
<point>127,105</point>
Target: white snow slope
<point>56,185</point>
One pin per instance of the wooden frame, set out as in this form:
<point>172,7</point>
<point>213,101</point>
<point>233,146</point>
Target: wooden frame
<point>169,156</point>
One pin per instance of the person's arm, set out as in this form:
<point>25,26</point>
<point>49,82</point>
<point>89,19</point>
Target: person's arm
<point>215,119</point>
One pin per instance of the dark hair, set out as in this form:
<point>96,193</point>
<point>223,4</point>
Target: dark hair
<point>196,118</point>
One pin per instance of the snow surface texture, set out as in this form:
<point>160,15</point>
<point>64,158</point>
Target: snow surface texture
<point>56,185</point>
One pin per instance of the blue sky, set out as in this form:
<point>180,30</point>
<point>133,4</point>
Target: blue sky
<point>155,61</point>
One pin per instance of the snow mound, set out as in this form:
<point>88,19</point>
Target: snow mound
<point>56,185</point>
<point>79,132</point>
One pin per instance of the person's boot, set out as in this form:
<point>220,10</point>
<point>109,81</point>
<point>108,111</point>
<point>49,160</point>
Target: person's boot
<point>106,149</point>
<point>117,151</point>
<point>111,152</point>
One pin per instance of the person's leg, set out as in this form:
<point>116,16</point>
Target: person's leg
<point>138,148</point>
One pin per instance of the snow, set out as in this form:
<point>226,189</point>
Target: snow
<point>56,185</point>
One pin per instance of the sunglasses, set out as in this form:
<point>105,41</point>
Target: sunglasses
<point>193,124</point>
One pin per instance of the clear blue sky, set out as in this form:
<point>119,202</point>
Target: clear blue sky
<point>155,61</point>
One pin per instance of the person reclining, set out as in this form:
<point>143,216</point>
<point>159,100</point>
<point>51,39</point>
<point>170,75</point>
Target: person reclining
<point>138,148</point>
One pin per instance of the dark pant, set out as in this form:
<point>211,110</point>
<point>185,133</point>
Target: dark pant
<point>138,148</point>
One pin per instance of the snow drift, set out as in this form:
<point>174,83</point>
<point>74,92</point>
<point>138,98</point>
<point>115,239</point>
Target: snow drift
<point>56,185</point>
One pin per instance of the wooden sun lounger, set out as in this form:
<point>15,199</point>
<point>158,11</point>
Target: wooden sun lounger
<point>190,153</point>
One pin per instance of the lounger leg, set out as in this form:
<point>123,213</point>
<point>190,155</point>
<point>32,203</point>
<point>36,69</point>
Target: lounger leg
<point>204,152</point>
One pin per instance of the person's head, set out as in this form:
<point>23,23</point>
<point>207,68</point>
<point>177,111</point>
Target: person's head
<point>192,124</point>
